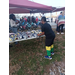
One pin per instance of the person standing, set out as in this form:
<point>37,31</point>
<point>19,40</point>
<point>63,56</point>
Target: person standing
<point>57,22</point>
<point>13,23</point>
<point>33,19</point>
<point>50,36</point>
<point>36,19</point>
<point>61,22</point>
<point>20,19</point>
<point>51,20</point>
<point>25,18</point>
<point>28,19</point>
<point>37,22</point>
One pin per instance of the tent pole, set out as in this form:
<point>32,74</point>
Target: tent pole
<point>50,15</point>
<point>30,17</point>
<point>33,14</point>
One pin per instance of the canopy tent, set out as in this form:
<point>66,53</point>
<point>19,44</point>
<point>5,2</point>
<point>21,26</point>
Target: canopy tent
<point>25,6</point>
<point>18,10</point>
<point>24,10</point>
<point>28,5</point>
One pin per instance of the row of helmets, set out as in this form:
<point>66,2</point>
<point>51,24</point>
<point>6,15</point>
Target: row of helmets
<point>24,35</point>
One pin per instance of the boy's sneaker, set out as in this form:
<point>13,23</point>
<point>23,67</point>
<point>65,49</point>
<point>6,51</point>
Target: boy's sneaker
<point>48,57</point>
<point>52,53</point>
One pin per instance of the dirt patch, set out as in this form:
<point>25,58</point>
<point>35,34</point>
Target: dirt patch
<point>56,68</point>
<point>13,69</point>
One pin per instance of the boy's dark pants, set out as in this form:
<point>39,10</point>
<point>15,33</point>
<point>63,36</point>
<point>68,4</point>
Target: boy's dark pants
<point>49,45</point>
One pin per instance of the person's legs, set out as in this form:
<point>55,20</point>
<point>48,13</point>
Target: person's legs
<point>57,29</point>
<point>48,48</point>
<point>52,46</point>
<point>62,25</point>
<point>12,29</point>
<point>15,29</point>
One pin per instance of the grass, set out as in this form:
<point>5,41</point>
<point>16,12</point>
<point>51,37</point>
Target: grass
<point>29,55</point>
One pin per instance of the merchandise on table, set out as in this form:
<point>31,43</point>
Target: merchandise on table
<point>24,35</point>
<point>29,34</point>
<point>33,31</point>
<point>38,31</point>
<point>34,35</point>
<point>12,37</point>
<point>18,36</point>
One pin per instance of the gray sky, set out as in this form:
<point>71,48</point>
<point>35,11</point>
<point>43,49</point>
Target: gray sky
<point>55,3</point>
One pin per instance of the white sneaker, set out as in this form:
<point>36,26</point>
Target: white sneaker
<point>62,33</point>
<point>58,33</point>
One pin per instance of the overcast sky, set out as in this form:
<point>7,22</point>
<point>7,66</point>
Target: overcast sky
<point>55,3</point>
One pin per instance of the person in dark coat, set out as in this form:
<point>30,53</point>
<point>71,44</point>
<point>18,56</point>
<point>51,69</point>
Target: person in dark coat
<point>50,36</point>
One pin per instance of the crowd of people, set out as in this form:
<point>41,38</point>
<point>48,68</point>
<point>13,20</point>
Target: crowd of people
<point>23,23</point>
<point>31,22</point>
<point>30,19</point>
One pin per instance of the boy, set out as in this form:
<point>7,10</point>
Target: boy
<point>48,32</point>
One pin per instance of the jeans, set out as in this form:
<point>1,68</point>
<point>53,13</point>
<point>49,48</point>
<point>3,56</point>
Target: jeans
<point>57,28</point>
<point>14,29</point>
<point>60,28</point>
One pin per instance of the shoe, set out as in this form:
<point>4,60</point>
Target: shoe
<point>58,33</point>
<point>62,33</point>
<point>52,53</point>
<point>48,57</point>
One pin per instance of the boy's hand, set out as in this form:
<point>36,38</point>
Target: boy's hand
<point>42,33</point>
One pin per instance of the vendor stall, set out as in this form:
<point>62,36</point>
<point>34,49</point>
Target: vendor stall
<point>25,6</point>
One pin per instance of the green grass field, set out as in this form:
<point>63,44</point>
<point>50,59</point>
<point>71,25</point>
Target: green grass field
<point>27,58</point>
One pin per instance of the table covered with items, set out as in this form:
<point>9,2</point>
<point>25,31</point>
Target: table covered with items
<point>25,35</point>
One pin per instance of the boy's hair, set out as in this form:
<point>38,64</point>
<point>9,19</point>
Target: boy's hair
<point>44,19</point>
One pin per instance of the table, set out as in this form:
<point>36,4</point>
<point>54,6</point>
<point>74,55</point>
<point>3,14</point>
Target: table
<point>26,39</point>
